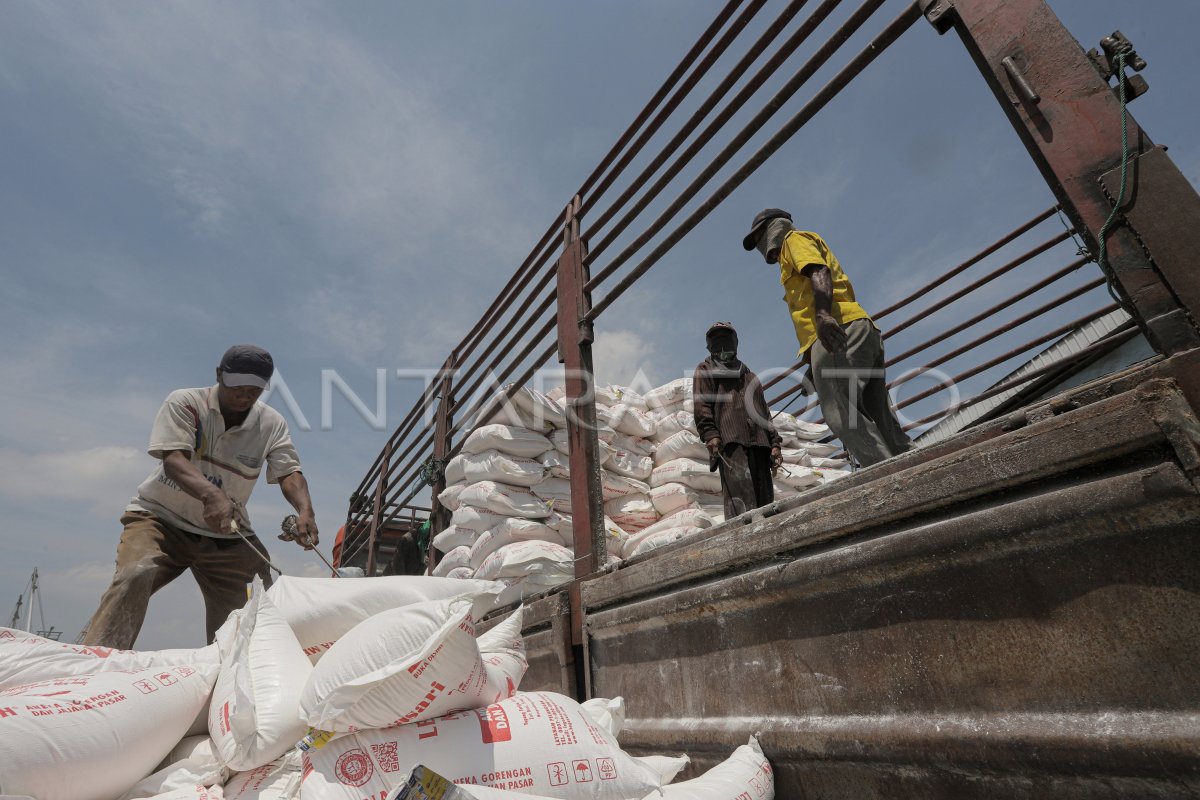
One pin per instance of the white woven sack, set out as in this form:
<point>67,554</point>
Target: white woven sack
<point>613,485</point>
<point>423,783</point>
<point>631,464</point>
<point>456,558</point>
<point>797,477</point>
<point>461,573</point>
<point>827,463</point>
<point>811,431</point>
<point>279,780</point>
<point>252,718</point>
<point>608,713</point>
<point>614,395</point>
<point>528,408</point>
<point>453,537</point>
<point>688,471</point>
<point>27,658</point>
<point>630,421</point>
<point>783,490</point>
<point>669,424</point>
<point>555,493</point>
<point>506,439</point>
<point>476,519</point>
<point>397,667</point>
<point>819,449</point>
<point>531,742</point>
<point>449,496</point>
<point>492,465</point>
<point>556,464</point>
<point>669,393</point>
<point>746,773</point>
<point>504,662</point>
<point>193,762</point>
<point>688,518</point>
<point>797,456</point>
<point>195,792</point>
<point>520,559</point>
<point>632,512</point>
<point>672,497</point>
<point>644,544</point>
<point>667,767</point>
<point>683,444</point>
<point>830,475</point>
<point>505,500</point>
<point>93,737</point>
<point>616,539</point>
<point>320,610</point>
<point>513,530</point>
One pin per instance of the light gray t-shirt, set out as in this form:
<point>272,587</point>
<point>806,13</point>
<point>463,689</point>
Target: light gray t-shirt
<point>190,420</point>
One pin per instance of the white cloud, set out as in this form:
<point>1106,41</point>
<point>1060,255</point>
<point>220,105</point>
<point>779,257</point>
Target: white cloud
<point>99,476</point>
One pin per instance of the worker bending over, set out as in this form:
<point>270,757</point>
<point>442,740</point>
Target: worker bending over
<point>836,336</point>
<point>211,444</point>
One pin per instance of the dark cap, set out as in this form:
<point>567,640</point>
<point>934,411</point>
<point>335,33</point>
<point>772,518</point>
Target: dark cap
<point>246,365</point>
<point>761,219</point>
<point>719,327</point>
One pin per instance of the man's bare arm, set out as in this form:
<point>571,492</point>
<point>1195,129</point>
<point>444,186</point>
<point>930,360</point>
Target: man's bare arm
<point>218,508</point>
<point>829,330</point>
<point>295,490</point>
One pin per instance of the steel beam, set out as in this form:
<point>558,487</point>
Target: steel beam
<point>1069,120</point>
<point>376,511</point>
<point>575,337</point>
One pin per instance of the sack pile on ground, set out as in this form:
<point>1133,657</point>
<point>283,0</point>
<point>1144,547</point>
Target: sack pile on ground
<point>407,683</point>
<point>509,490</point>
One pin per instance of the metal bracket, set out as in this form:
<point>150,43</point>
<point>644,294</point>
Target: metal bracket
<point>1104,59</point>
<point>939,13</point>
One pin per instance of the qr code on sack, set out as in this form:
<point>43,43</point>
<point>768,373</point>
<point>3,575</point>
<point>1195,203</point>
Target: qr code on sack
<point>386,756</point>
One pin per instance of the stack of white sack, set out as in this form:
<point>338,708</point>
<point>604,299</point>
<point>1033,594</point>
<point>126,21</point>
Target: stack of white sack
<point>745,774</point>
<point>91,723</point>
<point>536,743</point>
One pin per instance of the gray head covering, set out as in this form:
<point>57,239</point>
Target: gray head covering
<point>769,244</point>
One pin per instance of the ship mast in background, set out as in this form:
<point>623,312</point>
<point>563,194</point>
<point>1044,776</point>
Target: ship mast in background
<point>32,596</point>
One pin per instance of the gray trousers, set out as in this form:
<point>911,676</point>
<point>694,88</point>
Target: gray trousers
<point>854,396</point>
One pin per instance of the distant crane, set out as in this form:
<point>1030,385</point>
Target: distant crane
<point>34,595</point>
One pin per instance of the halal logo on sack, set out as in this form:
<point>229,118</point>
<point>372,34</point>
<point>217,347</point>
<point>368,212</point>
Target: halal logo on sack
<point>354,768</point>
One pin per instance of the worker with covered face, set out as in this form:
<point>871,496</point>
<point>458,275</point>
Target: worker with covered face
<point>837,337</point>
<point>734,423</point>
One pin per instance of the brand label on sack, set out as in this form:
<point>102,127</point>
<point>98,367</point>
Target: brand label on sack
<point>493,723</point>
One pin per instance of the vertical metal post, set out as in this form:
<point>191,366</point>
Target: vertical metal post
<point>439,515</point>
<point>575,336</point>
<point>376,509</point>
<point>1069,119</point>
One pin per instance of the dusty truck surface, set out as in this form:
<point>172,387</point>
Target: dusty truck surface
<point>1011,610</point>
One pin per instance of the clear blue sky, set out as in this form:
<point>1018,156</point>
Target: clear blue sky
<point>348,185</point>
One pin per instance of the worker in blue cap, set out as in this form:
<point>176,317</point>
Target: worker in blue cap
<point>836,335</point>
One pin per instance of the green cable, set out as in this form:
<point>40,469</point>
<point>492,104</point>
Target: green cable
<point>1102,259</point>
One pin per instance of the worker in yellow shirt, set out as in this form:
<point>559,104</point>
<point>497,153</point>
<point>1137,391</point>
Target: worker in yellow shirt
<point>837,337</point>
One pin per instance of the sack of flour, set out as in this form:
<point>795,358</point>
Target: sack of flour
<point>192,762</point>
<point>397,667</point>
<point>506,439</point>
<point>689,471</point>
<point>253,718</point>
<point>93,737</point>
<point>537,743</point>
<point>449,496</point>
<point>279,780</point>
<point>671,497</point>
<point>320,610</point>
<point>503,500</point>
<point>27,658</point>
<point>456,559</point>
<point>522,559</point>
<point>632,512</point>
<point>746,773</point>
<point>683,444</point>
<point>453,537</point>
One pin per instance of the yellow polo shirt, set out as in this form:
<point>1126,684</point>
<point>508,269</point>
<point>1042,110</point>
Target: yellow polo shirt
<point>801,248</point>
